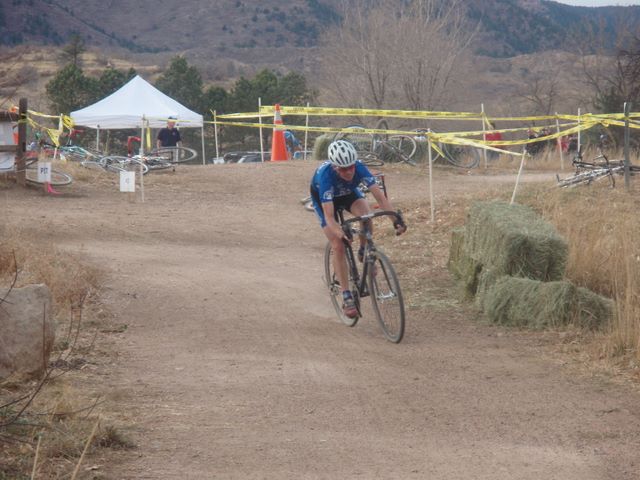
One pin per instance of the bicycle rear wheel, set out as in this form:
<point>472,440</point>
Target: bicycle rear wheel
<point>157,163</point>
<point>335,289</point>
<point>175,154</point>
<point>386,297</point>
<point>118,164</point>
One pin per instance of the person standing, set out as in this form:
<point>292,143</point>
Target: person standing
<point>170,135</point>
<point>493,136</point>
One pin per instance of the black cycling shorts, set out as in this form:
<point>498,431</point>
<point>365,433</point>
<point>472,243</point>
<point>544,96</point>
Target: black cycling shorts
<point>343,202</point>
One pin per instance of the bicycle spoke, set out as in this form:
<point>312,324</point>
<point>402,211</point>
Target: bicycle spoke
<point>386,297</point>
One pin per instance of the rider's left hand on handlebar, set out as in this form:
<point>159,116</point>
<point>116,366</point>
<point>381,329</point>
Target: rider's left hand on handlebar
<point>400,228</point>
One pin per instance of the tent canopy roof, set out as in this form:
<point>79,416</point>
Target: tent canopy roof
<point>126,108</point>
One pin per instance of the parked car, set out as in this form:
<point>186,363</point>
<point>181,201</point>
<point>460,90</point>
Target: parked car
<point>246,157</point>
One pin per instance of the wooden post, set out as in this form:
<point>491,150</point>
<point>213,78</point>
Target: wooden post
<point>21,167</point>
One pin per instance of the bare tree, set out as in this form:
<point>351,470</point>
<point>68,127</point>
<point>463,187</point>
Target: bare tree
<point>356,57</point>
<point>389,54</point>
<point>432,39</point>
<point>540,90</point>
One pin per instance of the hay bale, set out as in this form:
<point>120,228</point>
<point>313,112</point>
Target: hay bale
<point>469,274</point>
<point>456,251</point>
<point>461,265</point>
<point>321,147</point>
<point>515,241</point>
<point>593,310</point>
<point>486,279</point>
<point>531,303</point>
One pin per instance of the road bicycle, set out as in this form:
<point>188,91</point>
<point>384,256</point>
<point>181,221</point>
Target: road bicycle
<point>377,279</point>
<point>166,157</point>
<point>461,156</point>
<point>376,149</point>
<point>116,164</point>
<point>58,178</point>
<point>363,143</point>
<point>398,148</point>
<point>598,169</point>
<point>173,155</point>
<point>74,153</point>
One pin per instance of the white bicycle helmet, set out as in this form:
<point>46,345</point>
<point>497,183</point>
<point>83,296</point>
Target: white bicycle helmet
<point>342,153</point>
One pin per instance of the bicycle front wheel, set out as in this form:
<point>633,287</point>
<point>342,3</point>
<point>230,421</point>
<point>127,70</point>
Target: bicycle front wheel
<point>335,289</point>
<point>386,297</point>
<point>58,178</point>
<point>406,147</point>
<point>460,155</point>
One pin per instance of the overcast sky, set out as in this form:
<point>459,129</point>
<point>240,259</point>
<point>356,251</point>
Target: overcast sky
<point>599,3</point>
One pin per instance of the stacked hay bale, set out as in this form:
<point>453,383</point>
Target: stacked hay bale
<point>513,262</point>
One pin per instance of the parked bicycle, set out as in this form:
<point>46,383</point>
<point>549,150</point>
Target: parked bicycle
<point>376,149</point>
<point>461,156</point>
<point>58,178</point>
<point>377,279</point>
<point>116,164</point>
<point>598,169</point>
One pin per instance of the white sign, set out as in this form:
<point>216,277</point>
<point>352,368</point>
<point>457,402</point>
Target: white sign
<point>127,181</point>
<point>44,172</point>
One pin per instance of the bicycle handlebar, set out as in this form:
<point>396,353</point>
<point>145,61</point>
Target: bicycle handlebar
<point>398,220</point>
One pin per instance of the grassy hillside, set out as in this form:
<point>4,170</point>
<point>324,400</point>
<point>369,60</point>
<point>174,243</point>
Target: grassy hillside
<point>233,28</point>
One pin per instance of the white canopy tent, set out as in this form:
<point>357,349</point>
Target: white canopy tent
<point>137,104</point>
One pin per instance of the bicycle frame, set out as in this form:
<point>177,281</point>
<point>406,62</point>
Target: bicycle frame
<point>370,247</point>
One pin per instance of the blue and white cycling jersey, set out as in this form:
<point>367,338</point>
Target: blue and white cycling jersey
<point>328,184</point>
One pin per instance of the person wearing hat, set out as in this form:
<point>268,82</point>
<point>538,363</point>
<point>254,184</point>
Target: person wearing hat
<point>170,135</point>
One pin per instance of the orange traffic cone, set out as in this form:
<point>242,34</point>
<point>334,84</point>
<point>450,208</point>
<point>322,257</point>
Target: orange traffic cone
<point>278,146</point>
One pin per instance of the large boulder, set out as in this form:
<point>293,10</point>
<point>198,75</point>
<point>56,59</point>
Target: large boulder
<point>27,330</point>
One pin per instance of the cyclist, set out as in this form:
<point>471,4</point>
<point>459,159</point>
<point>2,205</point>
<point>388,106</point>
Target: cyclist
<point>335,185</point>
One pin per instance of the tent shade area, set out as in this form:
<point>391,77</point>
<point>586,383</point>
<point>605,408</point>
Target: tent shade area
<point>134,103</point>
<point>137,104</point>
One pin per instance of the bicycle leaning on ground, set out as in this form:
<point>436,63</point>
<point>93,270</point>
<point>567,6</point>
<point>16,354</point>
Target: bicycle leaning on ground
<point>377,279</point>
<point>598,169</point>
<point>57,177</point>
<point>376,149</point>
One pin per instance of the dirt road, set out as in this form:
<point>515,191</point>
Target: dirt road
<point>234,365</point>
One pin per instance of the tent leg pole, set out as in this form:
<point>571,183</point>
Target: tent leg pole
<point>204,159</point>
